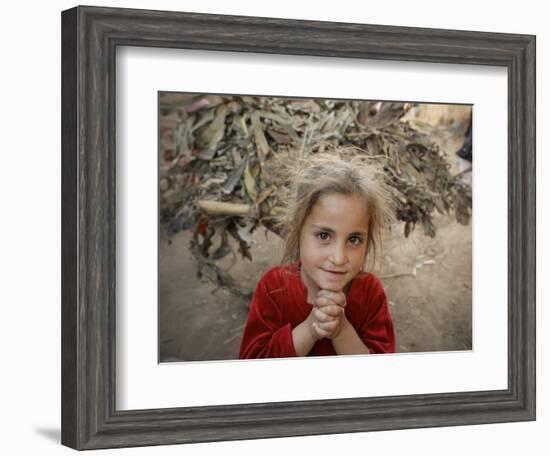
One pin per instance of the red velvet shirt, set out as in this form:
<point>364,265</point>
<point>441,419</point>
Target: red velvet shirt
<point>280,304</point>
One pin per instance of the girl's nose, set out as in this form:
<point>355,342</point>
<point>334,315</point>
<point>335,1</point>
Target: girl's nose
<point>338,256</point>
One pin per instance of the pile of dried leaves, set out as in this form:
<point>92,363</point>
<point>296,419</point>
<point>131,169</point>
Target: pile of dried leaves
<point>216,152</point>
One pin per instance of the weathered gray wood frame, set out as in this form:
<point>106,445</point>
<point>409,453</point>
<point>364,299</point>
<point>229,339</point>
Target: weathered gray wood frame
<point>90,36</point>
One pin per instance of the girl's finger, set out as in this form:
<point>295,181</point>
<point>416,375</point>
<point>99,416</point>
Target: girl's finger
<point>322,301</point>
<point>332,297</point>
<point>331,310</point>
<point>321,333</point>
<point>329,326</point>
<point>322,316</point>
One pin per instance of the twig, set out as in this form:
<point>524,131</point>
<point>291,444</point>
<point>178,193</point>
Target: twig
<point>231,338</point>
<point>221,208</point>
<point>393,276</point>
<point>464,171</point>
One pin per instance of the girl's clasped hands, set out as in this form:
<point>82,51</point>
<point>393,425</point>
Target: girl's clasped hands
<point>327,316</point>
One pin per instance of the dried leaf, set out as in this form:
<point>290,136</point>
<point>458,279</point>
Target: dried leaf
<point>306,106</point>
<point>205,116</point>
<point>244,129</point>
<point>279,137</point>
<point>278,119</point>
<point>234,178</point>
<point>379,115</point>
<point>250,184</point>
<point>209,136</point>
<point>261,142</point>
<point>264,194</point>
<point>171,102</point>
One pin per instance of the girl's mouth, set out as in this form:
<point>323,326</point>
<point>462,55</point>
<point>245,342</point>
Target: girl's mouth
<point>334,272</point>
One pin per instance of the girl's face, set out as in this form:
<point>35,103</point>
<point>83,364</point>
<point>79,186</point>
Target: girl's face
<point>333,243</point>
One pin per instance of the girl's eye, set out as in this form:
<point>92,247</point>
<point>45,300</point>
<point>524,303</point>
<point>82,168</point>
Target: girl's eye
<point>356,240</point>
<point>323,236</point>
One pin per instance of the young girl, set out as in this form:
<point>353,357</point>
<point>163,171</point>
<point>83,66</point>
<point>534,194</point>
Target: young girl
<point>321,301</point>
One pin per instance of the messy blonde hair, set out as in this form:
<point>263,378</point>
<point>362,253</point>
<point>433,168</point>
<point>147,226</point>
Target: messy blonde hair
<point>340,172</point>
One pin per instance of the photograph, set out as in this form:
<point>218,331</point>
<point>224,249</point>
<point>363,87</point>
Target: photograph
<point>293,227</point>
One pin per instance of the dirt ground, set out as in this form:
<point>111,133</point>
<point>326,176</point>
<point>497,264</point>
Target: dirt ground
<point>428,282</point>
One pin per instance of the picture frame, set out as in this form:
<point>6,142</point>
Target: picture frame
<point>90,36</point>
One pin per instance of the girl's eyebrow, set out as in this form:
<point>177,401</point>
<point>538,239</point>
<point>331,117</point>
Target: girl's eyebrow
<point>330,230</point>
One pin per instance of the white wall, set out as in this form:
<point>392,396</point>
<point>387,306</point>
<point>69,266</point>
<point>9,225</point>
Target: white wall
<point>30,228</point>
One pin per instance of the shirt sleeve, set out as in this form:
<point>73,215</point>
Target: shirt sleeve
<point>377,331</point>
<point>266,333</point>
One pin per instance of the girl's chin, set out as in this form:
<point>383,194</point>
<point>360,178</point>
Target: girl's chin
<point>323,280</point>
<point>335,284</point>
